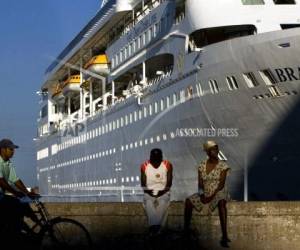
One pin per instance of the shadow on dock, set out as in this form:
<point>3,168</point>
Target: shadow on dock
<point>168,240</point>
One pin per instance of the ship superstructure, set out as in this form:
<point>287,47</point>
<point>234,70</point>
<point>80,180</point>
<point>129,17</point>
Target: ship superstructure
<point>171,74</point>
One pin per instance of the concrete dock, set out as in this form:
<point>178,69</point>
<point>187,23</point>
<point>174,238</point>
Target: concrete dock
<point>251,225</point>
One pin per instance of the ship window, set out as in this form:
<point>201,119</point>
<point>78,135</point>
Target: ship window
<point>139,41</point>
<point>114,125</point>
<point>150,34</point>
<point>182,95</point>
<point>130,118</point>
<point>158,138</point>
<point>117,59</point>
<point>135,47</point>
<point>110,126</point>
<point>164,137</point>
<point>145,112</point>
<point>213,86</point>
<point>144,38</point>
<point>113,62</point>
<point>141,143</point>
<point>199,89</point>
<point>140,114</point>
<point>174,99</point>
<point>268,76</point>
<point>151,140</point>
<point>146,141</point>
<point>122,122</point>
<point>155,107</point>
<point>275,91</point>
<point>253,2</point>
<point>121,56</point>
<point>122,148</point>
<point>162,104</point>
<point>106,128</point>
<point>99,130</point>
<point>135,116</point>
<point>124,54</point>
<point>136,144</point>
<point>150,109</point>
<point>96,133</point>
<point>168,102</point>
<point>155,30</point>
<point>250,79</point>
<point>132,47</point>
<point>126,120</point>
<point>131,145</point>
<point>189,92</point>
<point>117,123</point>
<point>129,49</point>
<point>284,1</point>
<point>231,82</point>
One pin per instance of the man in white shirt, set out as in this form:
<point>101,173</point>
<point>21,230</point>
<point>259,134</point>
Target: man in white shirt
<point>156,180</point>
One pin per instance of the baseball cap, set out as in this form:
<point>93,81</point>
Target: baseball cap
<point>6,143</point>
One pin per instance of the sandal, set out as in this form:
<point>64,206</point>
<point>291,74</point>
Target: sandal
<point>224,243</point>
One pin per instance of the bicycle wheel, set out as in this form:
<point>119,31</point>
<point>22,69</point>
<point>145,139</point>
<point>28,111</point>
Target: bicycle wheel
<point>64,233</point>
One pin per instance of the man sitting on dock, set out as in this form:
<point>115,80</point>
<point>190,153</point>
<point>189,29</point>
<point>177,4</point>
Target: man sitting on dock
<point>156,180</point>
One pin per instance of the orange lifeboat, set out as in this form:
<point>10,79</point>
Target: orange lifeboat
<point>71,85</point>
<point>98,65</point>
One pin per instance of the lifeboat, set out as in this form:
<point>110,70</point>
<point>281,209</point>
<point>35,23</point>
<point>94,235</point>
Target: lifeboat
<point>57,95</point>
<point>71,85</point>
<point>98,65</point>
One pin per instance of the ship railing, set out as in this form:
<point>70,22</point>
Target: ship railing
<point>139,16</point>
<point>159,78</point>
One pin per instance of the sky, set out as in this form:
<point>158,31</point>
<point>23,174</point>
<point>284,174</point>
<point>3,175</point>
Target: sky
<point>32,33</point>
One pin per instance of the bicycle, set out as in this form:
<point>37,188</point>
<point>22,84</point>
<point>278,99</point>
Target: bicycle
<point>55,233</point>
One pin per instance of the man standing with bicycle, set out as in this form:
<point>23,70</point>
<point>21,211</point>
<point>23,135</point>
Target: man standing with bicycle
<point>12,188</point>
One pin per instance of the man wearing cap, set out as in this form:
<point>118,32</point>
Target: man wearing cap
<point>156,180</point>
<point>11,188</point>
<point>212,189</point>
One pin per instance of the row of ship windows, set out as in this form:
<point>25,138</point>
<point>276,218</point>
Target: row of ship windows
<point>139,42</point>
<point>98,182</point>
<point>126,147</point>
<point>259,2</point>
<point>250,80</point>
<point>165,103</point>
<point>108,152</point>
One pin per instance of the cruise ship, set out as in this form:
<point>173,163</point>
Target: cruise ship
<point>172,74</point>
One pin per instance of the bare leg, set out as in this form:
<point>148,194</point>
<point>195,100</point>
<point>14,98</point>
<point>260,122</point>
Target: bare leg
<point>223,218</point>
<point>188,212</point>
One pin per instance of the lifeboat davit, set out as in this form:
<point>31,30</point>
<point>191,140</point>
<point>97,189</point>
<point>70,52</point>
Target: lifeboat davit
<point>57,95</point>
<point>98,65</point>
<point>71,85</point>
